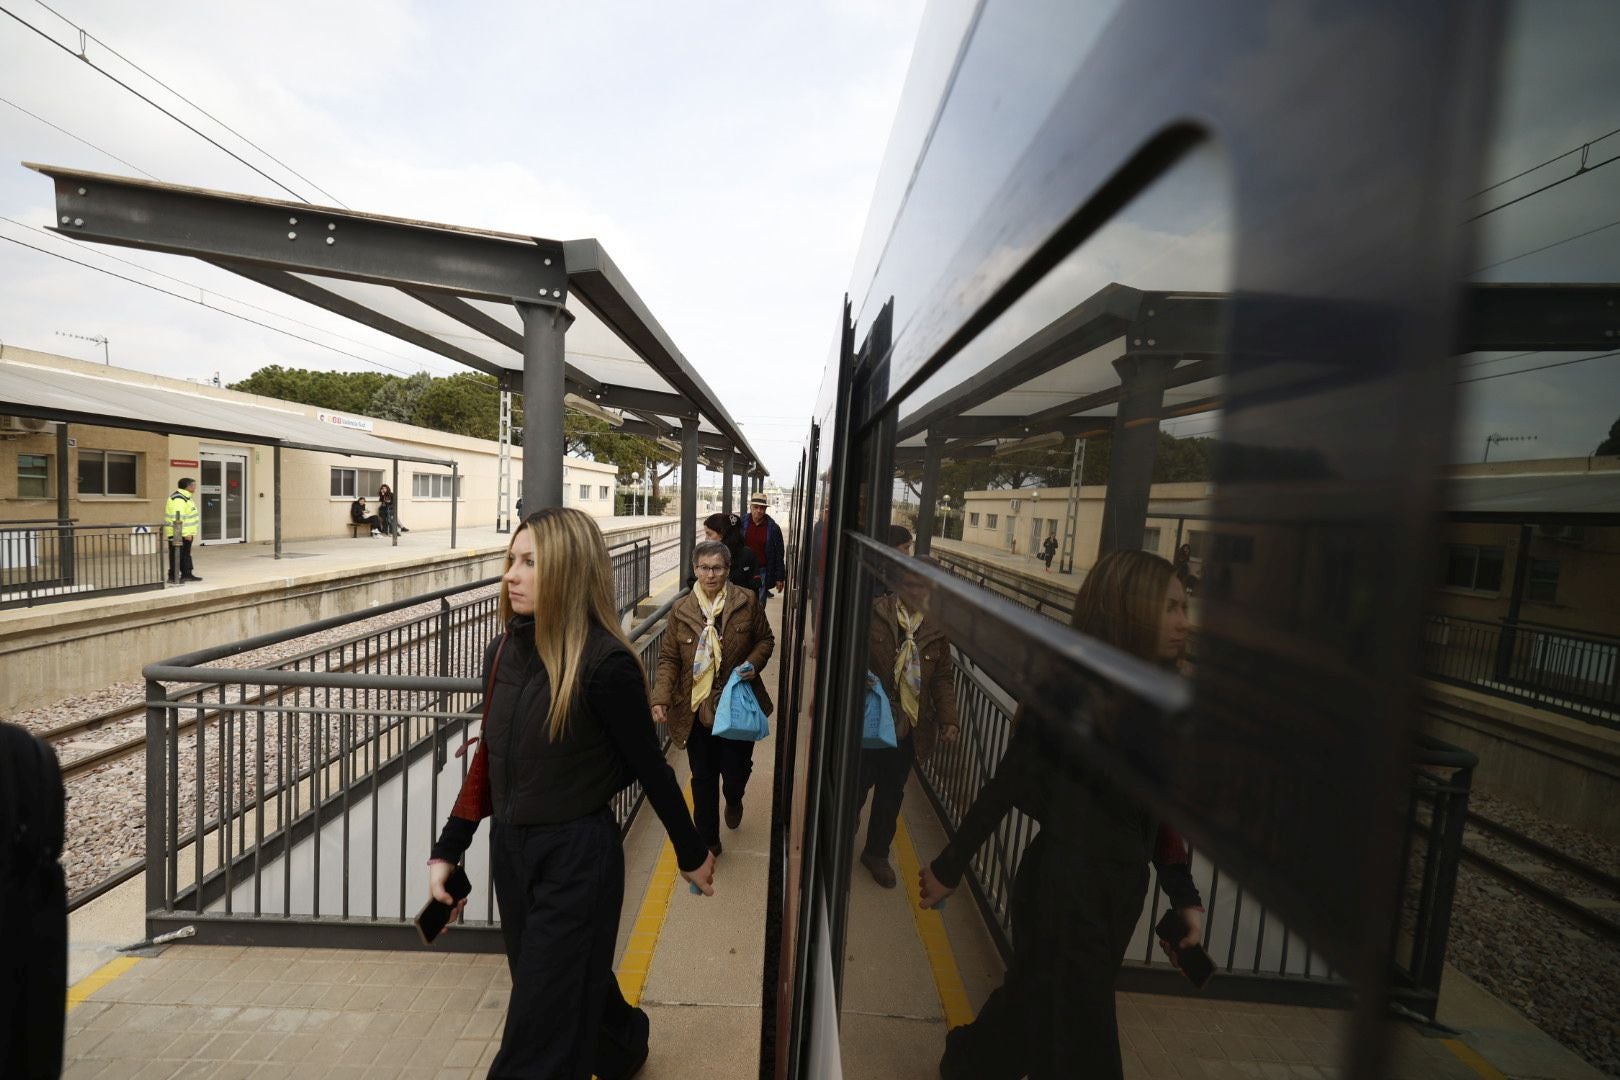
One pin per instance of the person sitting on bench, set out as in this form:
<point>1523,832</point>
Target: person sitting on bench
<point>359,515</point>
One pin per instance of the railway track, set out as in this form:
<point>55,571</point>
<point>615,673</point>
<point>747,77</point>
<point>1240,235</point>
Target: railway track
<point>1523,873</point>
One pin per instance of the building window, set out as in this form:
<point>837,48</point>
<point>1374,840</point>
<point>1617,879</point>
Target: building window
<point>1150,539</point>
<point>356,483</point>
<point>601,491</point>
<point>1051,526</point>
<point>584,491</point>
<point>433,485</point>
<point>990,521</point>
<point>33,476</point>
<point>973,519</point>
<point>1474,567</point>
<point>107,472</point>
<point>1542,585</point>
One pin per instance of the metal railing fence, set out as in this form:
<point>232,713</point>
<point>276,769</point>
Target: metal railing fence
<point>51,559</point>
<point>296,802</point>
<point>1258,957</point>
<point>632,573</point>
<point>1054,603</point>
<point>1565,671</point>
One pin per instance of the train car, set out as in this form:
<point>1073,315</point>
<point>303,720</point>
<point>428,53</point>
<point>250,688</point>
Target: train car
<point>1248,287</point>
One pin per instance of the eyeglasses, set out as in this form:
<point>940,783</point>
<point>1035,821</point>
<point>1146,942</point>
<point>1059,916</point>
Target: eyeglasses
<point>712,569</point>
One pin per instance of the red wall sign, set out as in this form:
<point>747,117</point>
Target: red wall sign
<point>180,463</point>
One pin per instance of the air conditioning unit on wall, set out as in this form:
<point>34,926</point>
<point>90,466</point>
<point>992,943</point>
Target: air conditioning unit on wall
<point>23,425</point>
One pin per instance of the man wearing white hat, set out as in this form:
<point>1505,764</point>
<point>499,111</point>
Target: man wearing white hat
<point>764,537</point>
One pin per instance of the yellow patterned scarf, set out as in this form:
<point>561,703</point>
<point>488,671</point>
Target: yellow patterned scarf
<point>707,657</point>
<point>908,664</point>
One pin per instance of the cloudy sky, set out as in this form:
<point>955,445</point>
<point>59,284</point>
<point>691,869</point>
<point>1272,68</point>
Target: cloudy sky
<point>724,154</point>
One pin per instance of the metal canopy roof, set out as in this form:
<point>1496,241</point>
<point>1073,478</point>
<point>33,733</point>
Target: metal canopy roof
<point>50,394</point>
<point>1591,498</point>
<point>1061,378</point>
<point>444,288</point>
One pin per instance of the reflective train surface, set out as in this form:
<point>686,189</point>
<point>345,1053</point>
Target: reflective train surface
<point>1314,301</point>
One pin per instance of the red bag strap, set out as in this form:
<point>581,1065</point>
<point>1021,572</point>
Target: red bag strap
<point>489,694</point>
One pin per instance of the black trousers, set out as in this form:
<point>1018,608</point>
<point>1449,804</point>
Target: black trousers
<point>716,763</point>
<point>560,888</point>
<point>1052,1017</point>
<point>885,770</point>
<point>182,554</point>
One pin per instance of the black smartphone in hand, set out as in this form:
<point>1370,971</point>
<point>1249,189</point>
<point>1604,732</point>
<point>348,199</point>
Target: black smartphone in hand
<point>435,914</point>
<point>1193,961</point>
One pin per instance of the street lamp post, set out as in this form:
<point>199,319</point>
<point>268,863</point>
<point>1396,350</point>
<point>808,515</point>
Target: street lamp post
<point>945,529</point>
<point>635,479</point>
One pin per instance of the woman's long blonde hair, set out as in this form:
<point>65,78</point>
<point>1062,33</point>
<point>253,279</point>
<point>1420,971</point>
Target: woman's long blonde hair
<point>1121,602</point>
<point>573,588</point>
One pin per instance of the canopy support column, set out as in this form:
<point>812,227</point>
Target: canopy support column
<point>689,492</point>
<point>64,508</point>
<point>544,330</point>
<point>1134,445</point>
<point>455,496</point>
<point>393,524</point>
<point>503,492</point>
<point>929,494</point>
<point>744,492</point>
<point>725,488</point>
<point>275,501</point>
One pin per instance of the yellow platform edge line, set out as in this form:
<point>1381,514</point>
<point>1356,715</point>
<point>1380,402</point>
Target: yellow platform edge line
<point>649,924</point>
<point>98,978</point>
<point>953,997</point>
<point>1470,1057</point>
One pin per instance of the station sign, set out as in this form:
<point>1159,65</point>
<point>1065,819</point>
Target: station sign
<point>339,420</point>
<point>182,463</point>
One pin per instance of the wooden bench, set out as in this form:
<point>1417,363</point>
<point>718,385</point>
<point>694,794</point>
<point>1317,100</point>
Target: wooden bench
<point>358,529</point>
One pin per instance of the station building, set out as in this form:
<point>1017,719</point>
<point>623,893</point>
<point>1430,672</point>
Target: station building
<point>122,476</point>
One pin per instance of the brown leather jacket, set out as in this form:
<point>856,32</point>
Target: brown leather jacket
<point>744,635</point>
<point>938,706</point>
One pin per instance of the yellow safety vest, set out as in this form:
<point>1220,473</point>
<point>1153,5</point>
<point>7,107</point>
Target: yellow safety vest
<point>190,516</point>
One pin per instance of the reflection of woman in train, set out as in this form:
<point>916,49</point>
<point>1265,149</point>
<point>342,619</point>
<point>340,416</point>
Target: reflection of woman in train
<point>1083,880</point>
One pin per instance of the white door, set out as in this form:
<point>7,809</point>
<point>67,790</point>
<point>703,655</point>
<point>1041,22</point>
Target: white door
<point>222,490</point>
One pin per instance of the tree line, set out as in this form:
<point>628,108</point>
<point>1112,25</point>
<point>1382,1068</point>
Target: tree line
<point>467,403</point>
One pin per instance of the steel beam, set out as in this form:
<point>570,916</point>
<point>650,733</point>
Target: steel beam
<point>1546,318</point>
<point>1134,446</point>
<point>725,489</point>
<point>689,493</point>
<point>306,239</point>
<point>475,318</point>
<point>544,332</point>
<point>630,398</point>
<point>921,542</point>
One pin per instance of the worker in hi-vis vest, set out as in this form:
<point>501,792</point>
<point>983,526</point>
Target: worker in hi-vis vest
<point>182,507</point>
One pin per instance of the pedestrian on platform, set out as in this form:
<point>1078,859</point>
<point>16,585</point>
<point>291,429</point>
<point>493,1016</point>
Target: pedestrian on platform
<point>181,509</point>
<point>712,630</point>
<point>388,510</point>
<point>727,529</point>
<point>568,727</point>
<point>911,657</point>
<point>764,537</point>
<point>33,907</point>
<point>1049,548</point>
<point>1083,879</point>
<point>361,516</point>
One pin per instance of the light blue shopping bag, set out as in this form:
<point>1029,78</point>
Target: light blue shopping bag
<point>738,715</point>
<point>877,732</point>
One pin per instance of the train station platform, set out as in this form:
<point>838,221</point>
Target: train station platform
<point>694,963</point>
<point>54,650</point>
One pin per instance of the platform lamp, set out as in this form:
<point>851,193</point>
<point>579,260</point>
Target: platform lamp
<point>635,478</point>
<point>945,529</point>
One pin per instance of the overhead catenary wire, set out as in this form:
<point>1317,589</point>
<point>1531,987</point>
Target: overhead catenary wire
<point>1541,367</point>
<point>77,138</point>
<point>191,300</point>
<point>193,104</point>
<point>1545,247</point>
<point>189,127</point>
<point>1533,168</point>
<point>203,291</point>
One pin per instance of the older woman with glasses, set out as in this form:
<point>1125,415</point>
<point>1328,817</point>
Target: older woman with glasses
<point>713,630</point>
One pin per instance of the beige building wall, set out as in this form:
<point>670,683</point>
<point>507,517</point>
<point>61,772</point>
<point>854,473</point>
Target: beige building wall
<point>1044,511</point>
<point>309,509</point>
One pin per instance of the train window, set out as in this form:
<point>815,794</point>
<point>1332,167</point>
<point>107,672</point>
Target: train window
<point>1524,620</point>
<point>1079,427</point>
